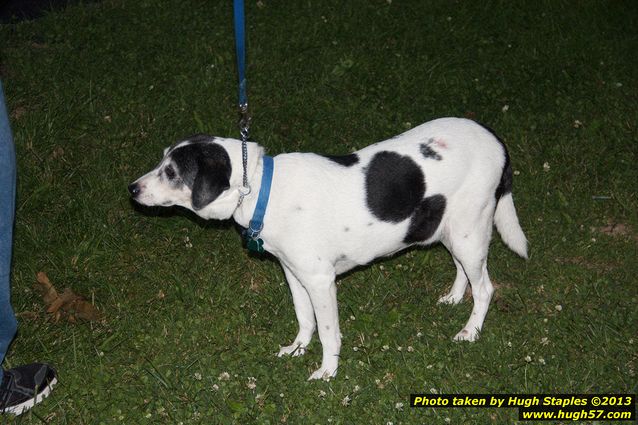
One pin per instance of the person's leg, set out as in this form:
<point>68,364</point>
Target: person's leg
<point>21,387</point>
<point>8,322</point>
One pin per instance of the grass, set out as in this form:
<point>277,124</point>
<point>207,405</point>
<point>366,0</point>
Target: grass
<point>192,322</point>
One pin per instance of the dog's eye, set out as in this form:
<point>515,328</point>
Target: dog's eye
<point>170,172</point>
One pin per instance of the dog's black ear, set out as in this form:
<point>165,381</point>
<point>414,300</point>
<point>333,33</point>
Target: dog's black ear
<point>211,180</point>
<point>213,175</point>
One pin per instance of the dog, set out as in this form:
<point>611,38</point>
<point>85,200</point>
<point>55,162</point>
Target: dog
<point>448,180</point>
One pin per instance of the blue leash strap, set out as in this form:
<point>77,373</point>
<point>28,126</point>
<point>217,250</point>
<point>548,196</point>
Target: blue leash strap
<point>253,243</point>
<point>244,116</point>
<point>240,46</point>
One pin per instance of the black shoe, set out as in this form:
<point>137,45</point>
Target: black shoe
<point>25,386</point>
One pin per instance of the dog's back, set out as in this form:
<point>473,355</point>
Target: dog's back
<point>387,196</point>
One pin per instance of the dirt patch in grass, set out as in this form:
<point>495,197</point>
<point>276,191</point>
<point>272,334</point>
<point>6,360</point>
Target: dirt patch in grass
<point>616,230</point>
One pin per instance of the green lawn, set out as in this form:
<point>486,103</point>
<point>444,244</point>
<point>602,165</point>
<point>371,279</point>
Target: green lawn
<point>192,323</point>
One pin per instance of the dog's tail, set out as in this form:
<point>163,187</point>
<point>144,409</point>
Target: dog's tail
<point>508,226</point>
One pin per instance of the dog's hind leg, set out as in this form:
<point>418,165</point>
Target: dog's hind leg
<point>305,316</point>
<point>469,245</point>
<point>482,291</point>
<point>455,295</point>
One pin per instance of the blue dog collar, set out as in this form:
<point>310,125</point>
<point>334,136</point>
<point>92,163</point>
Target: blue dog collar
<point>253,243</point>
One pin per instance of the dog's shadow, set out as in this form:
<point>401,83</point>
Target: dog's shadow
<point>175,211</point>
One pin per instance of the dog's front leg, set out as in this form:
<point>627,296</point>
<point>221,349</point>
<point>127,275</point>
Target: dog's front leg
<point>322,290</point>
<point>305,316</point>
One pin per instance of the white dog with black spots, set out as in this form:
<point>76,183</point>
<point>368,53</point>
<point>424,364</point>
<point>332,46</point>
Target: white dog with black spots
<point>448,180</point>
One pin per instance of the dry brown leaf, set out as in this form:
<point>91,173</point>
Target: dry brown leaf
<point>46,289</point>
<point>67,305</point>
<point>66,297</point>
<point>84,310</point>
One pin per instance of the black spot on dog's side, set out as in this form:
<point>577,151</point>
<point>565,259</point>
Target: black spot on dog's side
<point>394,186</point>
<point>426,219</point>
<point>205,168</point>
<point>428,152</point>
<point>346,229</point>
<point>505,185</point>
<point>345,160</point>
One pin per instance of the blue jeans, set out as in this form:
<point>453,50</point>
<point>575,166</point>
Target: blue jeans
<point>8,323</point>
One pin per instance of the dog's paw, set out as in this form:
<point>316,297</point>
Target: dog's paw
<point>467,335</point>
<point>295,349</point>
<point>451,299</point>
<point>324,373</point>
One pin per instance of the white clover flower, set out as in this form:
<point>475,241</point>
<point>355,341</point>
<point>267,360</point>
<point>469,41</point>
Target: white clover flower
<point>322,393</point>
<point>505,108</point>
<point>544,340</point>
<point>385,348</point>
<point>346,401</point>
<point>541,360</point>
<point>546,166</point>
<point>398,406</point>
<point>198,376</point>
<point>528,359</point>
<point>559,307</point>
<point>410,349</point>
<point>252,383</point>
<point>224,376</point>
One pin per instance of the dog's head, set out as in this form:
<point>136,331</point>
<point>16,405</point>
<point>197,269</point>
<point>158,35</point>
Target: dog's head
<point>197,174</point>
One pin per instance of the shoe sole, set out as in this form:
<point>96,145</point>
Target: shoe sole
<point>19,409</point>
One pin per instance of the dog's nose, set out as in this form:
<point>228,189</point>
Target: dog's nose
<point>134,189</point>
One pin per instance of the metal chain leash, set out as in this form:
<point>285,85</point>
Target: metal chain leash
<point>244,131</point>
